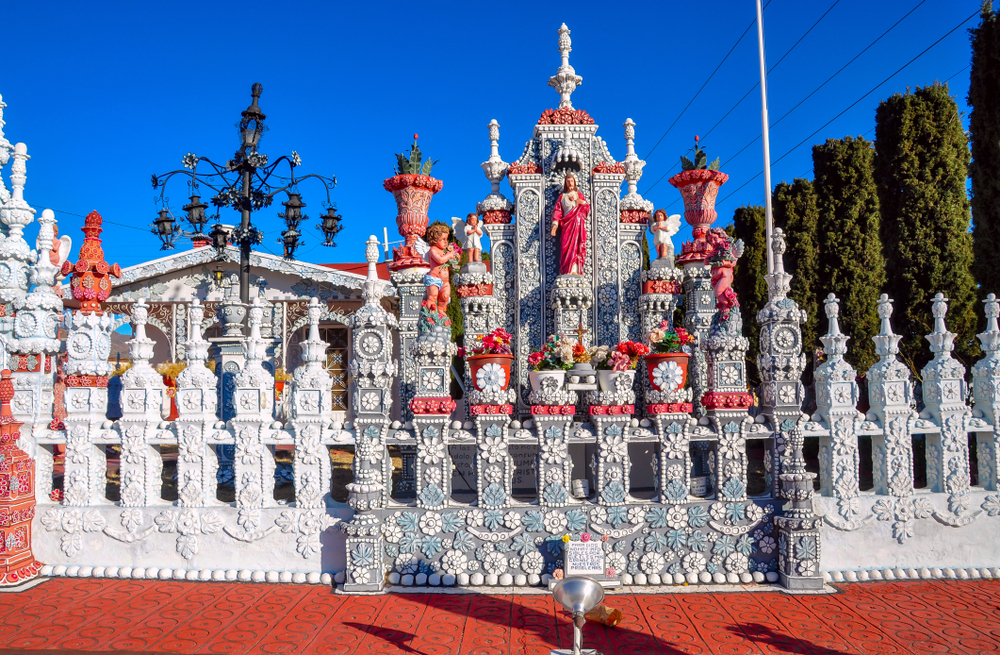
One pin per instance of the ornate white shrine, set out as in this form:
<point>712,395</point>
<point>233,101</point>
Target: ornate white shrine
<point>485,492</point>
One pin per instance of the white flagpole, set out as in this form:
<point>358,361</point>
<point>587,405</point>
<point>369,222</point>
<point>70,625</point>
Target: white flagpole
<point>768,219</point>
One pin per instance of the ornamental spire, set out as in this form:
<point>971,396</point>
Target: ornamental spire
<point>565,80</point>
<point>91,281</point>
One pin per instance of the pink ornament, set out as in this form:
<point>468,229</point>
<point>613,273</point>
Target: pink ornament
<point>585,537</point>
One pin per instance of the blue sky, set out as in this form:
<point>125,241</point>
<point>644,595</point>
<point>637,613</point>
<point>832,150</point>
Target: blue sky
<point>105,94</point>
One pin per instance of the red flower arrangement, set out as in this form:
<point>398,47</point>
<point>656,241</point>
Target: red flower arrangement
<point>624,357</point>
<point>665,339</point>
<point>496,342</point>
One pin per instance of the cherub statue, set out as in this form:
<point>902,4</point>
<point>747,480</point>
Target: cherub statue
<point>469,233</point>
<point>437,285</point>
<point>664,227</point>
<point>725,252</point>
<point>58,253</point>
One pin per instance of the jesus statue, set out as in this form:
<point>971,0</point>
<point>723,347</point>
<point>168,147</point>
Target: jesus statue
<point>571,212</point>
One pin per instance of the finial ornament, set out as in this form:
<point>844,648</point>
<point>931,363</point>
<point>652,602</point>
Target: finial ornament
<point>565,80</point>
<point>778,248</point>
<point>886,341</point>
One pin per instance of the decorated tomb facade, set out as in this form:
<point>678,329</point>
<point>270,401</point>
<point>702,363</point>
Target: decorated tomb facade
<point>596,429</point>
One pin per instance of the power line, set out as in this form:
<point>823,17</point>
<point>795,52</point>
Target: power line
<point>770,70</point>
<point>829,79</point>
<point>104,221</point>
<point>853,104</point>
<point>740,101</point>
<point>875,88</point>
<point>703,85</point>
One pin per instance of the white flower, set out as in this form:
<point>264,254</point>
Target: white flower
<point>493,449</point>
<point>616,448</point>
<point>675,472</point>
<point>730,374</point>
<point>553,452</point>
<point>491,378</point>
<point>431,451</point>
<point>718,511</point>
<point>807,567</point>
<point>616,561</point>
<point>766,545</point>
<point>430,523</point>
<point>555,522</point>
<point>511,520</point>
<point>651,563</point>
<point>677,518</point>
<point>495,563</point>
<point>474,518</point>
<point>454,562</point>
<point>694,563</point>
<point>493,473</point>
<point>598,515</point>
<point>636,515</point>
<point>737,563</point>
<point>369,401</point>
<point>393,533</point>
<point>431,381</point>
<point>668,376</point>
<point>533,562</point>
<point>754,513</point>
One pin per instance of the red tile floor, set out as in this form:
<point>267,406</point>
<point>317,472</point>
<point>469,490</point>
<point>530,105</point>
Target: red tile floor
<point>128,617</point>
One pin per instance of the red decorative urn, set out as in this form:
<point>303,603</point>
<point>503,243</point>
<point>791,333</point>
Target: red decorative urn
<point>413,188</point>
<point>17,496</point>
<point>91,281</point>
<point>699,189</point>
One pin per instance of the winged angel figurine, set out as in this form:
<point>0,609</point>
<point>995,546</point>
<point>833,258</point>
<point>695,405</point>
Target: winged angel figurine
<point>58,253</point>
<point>664,227</point>
<point>469,234</point>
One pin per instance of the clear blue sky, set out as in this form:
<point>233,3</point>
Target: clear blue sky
<point>105,94</point>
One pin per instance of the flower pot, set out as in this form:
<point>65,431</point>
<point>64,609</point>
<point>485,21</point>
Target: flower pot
<point>607,379</point>
<point>490,373</point>
<point>413,195</point>
<point>699,189</point>
<point>536,378</point>
<point>667,371</point>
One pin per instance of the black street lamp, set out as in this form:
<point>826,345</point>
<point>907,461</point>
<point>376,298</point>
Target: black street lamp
<point>246,183</point>
<point>330,226</point>
<point>165,228</point>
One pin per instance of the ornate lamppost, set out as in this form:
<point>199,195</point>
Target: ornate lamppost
<point>246,183</point>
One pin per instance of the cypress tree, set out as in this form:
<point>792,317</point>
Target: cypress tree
<point>921,164</point>
<point>795,212</point>
<point>984,132</point>
<point>850,251</point>
<point>748,278</point>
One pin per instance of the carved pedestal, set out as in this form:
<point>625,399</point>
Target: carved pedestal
<point>699,307</point>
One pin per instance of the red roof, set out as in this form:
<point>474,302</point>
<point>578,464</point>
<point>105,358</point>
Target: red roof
<point>360,269</point>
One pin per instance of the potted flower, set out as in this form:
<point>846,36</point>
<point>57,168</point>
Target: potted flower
<point>552,361</point>
<point>667,364</point>
<point>489,361</point>
<point>616,362</point>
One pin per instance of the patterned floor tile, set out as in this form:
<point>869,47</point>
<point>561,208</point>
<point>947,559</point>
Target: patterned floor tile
<point>139,616</point>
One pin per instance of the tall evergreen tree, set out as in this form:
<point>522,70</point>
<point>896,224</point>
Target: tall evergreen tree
<point>850,250</point>
<point>984,131</point>
<point>748,279</point>
<point>921,164</point>
<point>795,212</point>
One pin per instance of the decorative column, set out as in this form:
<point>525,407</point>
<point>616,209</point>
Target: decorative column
<point>554,466</point>
<point>197,402</point>
<point>944,399</point>
<point>837,397</point>
<point>890,393</point>
<point>16,214</point>
<point>88,347</point>
<point>633,217</point>
<point>432,408</point>
<point>143,397</point>
<point>17,495</point>
<point>781,361</point>
<point>254,394</point>
<point>986,391</point>
<point>674,431</point>
<point>33,349</point>
<point>372,371</point>
<point>699,187</point>
<point>798,526</point>
<point>311,407</point>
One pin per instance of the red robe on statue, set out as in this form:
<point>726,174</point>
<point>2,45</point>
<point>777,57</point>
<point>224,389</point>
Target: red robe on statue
<point>572,222</point>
